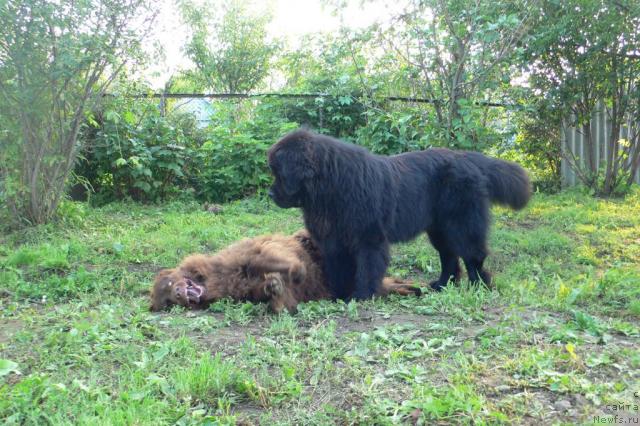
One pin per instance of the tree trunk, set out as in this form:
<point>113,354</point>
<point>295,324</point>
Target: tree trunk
<point>592,170</point>
<point>612,157</point>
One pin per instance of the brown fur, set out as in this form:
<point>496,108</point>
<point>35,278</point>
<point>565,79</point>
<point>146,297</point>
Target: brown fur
<point>280,270</point>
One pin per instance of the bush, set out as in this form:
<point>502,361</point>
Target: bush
<point>393,132</point>
<point>337,115</point>
<point>232,163</point>
<point>135,153</point>
<point>326,67</point>
<point>537,145</point>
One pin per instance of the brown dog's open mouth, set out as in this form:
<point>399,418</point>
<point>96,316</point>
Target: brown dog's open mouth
<point>194,292</point>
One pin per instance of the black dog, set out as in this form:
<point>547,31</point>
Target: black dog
<point>356,203</point>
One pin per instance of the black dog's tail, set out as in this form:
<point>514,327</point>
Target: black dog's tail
<point>508,182</point>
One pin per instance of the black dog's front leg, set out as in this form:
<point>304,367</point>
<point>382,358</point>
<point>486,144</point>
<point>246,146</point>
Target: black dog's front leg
<point>339,270</point>
<point>371,265</point>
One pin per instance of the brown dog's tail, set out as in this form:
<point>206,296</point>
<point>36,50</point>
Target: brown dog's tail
<point>508,182</point>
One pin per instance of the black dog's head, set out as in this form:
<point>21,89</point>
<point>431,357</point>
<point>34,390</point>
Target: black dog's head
<point>292,168</point>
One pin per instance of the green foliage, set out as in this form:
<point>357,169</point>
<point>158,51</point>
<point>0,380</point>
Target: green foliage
<point>432,403</point>
<point>232,162</point>
<point>72,213</point>
<point>209,379</point>
<point>232,165</point>
<point>582,55</point>
<point>620,287</point>
<point>337,114</point>
<point>326,66</point>
<point>537,144</point>
<point>55,63</point>
<point>137,154</point>
<point>458,54</point>
<point>231,53</point>
<point>7,366</point>
<point>393,132</point>
<point>133,150</point>
<point>50,266</point>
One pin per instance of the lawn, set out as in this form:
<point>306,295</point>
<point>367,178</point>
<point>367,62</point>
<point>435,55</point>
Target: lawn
<point>556,341</point>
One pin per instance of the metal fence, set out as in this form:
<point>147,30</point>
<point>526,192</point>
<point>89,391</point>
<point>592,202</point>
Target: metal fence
<point>573,143</point>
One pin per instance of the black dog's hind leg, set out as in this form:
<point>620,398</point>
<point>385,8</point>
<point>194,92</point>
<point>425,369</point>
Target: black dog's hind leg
<point>371,265</point>
<point>448,261</point>
<point>476,271</point>
<point>468,236</point>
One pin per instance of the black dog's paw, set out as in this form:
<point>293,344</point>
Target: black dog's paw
<point>486,279</point>
<point>437,285</point>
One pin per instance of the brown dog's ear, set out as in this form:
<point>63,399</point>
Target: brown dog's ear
<point>160,291</point>
<point>302,234</point>
<point>163,273</point>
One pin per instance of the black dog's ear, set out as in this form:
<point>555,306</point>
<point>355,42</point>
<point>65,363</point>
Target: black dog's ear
<point>290,161</point>
<point>294,173</point>
<point>292,177</point>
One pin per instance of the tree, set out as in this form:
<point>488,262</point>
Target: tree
<point>459,54</point>
<point>231,53</point>
<point>326,64</point>
<point>582,56</point>
<point>538,140</point>
<point>56,61</point>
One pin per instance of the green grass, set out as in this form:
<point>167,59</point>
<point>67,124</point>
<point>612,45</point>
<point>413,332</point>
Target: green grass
<point>556,341</point>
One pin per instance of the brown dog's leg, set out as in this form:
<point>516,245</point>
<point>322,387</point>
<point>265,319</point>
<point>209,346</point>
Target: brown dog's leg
<point>398,286</point>
<point>279,296</point>
<point>271,259</point>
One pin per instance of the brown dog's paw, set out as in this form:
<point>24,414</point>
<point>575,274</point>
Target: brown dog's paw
<point>397,281</point>
<point>274,285</point>
<point>408,290</point>
<point>393,285</point>
<point>297,273</point>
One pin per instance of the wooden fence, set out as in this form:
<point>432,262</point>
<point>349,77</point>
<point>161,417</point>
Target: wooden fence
<point>574,146</point>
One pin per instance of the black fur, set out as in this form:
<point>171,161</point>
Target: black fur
<point>355,204</point>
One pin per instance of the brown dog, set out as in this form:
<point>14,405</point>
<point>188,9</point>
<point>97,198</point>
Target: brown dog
<point>280,270</point>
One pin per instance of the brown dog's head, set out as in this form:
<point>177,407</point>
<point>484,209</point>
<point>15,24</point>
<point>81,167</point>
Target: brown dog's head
<point>292,168</point>
<point>172,287</point>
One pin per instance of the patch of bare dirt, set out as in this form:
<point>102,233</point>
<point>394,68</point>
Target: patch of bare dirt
<point>228,339</point>
<point>522,223</point>
<point>9,328</point>
<point>368,320</point>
